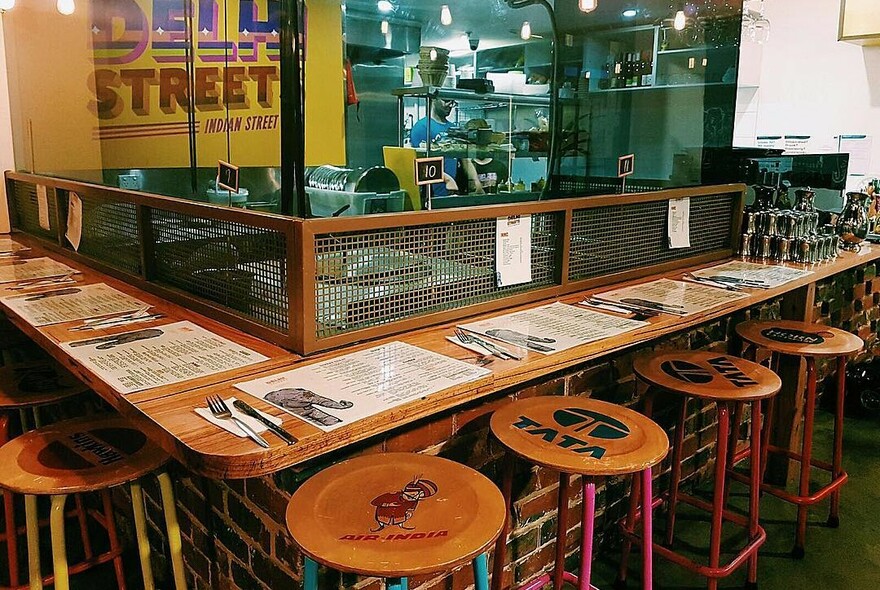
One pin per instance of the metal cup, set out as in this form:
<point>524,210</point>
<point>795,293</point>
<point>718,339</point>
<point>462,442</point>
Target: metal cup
<point>782,249</point>
<point>745,246</point>
<point>765,249</point>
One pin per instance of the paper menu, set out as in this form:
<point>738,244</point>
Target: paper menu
<point>70,303</point>
<point>163,355</point>
<point>553,328</point>
<point>74,220</point>
<point>513,250</point>
<point>8,245</point>
<point>672,297</point>
<point>679,223</point>
<point>342,390</point>
<point>770,275</point>
<point>43,207</point>
<point>34,268</point>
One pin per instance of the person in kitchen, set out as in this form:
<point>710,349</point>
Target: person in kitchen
<point>440,125</point>
<point>489,174</point>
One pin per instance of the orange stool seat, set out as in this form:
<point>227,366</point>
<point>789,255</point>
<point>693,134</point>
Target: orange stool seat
<point>729,382</point>
<point>577,436</point>
<point>808,341</point>
<point>395,515</point>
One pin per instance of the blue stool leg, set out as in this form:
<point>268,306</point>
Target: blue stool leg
<point>397,584</point>
<point>310,576</point>
<point>481,572</point>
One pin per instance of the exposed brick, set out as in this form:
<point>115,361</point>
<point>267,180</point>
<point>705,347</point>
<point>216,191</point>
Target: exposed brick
<point>267,497</point>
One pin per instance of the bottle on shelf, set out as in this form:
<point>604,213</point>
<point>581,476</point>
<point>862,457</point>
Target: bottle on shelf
<point>617,80</point>
<point>647,72</point>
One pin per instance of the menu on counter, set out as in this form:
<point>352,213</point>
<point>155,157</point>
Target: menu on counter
<point>339,391</point>
<point>152,357</point>
<point>553,328</point>
<point>672,297</point>
<point>768,275</point>
<point>69,304</point>
<point>34,268</point>
<point>8,245</point>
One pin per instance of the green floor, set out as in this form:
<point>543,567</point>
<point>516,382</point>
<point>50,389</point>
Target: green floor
<point>847,558</point>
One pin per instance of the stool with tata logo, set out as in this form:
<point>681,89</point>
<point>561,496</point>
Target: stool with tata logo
<point>807,341</point>
<point>577,436</point>
<point>725,381</point>
<point>396,515</point>
<point>83,455</point>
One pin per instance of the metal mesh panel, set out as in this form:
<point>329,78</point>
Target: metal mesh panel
<point>26,214</point>
<point>236,265</point>
<point>375,277</point>
<point>580,185</point>
<point>613,239</point>
<point>110,234</point>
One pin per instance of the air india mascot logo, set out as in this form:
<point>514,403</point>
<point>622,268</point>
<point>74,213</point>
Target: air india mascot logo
<point>395,508</point>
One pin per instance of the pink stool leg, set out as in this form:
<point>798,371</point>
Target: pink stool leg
<point>647,531</point>
<point>561,520</point>
<point>587,526</point>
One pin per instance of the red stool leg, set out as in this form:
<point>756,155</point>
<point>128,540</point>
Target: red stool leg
<point>735,424</point>
<point>561,520</point>
<point>83,527</point>
<point>587,525</point>
<point>806,458</point>
<point>9,514</point>
<point>501,543</point>
<point>766,430</point>
<point>675,475</point>
<point>754,489</point>
<point>718,498</point>
<point>837,461</point>
<point>114,540</point>
<point>647,530</point>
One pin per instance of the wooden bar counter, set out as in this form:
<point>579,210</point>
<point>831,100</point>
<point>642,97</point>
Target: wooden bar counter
<point>166,414</point>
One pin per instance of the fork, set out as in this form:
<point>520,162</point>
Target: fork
<point>484,359</point>
<point>221,411</point>
<point>495,350</point>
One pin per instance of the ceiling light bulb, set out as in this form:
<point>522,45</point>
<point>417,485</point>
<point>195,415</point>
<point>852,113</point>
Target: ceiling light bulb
<point>385,27</point>
<point>384,6</point>
<point>629,13</point>
<point>525,32</point>
<point>433,55</point>
<point>445,15</point>
<point>6,4</point>
<point>588,5</point>
<point>65,7</point>
<point>680,21</point>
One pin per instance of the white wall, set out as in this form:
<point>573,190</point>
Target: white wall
<point>810,83</point>
<point>7,162</point>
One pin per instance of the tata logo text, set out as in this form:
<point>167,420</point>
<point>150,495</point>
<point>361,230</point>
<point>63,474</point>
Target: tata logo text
<point>573,429</point>
<point>692,373</point>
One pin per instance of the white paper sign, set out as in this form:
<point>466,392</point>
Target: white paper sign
<point>768,275</point>
<point>859,149</point>
<point>672,297</point>
<point>67,304</point>
<point>34,268</point>
<point>679,223</point>
<point>513,250</point>
<point>553,328</point>
<point>43,207</point>
<point>74,220</point>
<point>336,392</point>
<point>152,357</point>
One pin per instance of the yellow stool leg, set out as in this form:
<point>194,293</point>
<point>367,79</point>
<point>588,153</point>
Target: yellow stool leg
<point>33,542</point>
<point>174,544</point>
<point>38,421</point>
<point>23,416</point>
<point>59,549</point>
<point>140,527</point>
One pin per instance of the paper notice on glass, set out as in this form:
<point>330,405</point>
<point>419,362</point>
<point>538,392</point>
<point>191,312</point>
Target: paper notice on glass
<point>762,275</point>
<point>672,297</point>
<point>43,207</point>
<point>679,223</point>
<point>796,144</point>
<point>74,220</point>
<point>35,268</point>
<point>513,250</point>
<point>152,357</point>
<point>336,392</point>
<point>553,328</point>
<point>859,149</point>
<point>69,304</point>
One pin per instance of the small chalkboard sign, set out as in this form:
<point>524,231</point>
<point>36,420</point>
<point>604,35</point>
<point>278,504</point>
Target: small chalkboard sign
<point>626,165</point>
<point>227,176</point>
<point>429,171</point>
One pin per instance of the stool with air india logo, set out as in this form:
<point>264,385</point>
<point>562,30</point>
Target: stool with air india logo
<point>577,436</point>
<point>396,515</point>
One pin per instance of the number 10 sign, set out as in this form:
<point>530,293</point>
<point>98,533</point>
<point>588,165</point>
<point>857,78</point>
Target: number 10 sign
<point>429,171</point>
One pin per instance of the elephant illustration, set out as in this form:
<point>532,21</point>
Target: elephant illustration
<point>303,403</point>
<point>108,342</point>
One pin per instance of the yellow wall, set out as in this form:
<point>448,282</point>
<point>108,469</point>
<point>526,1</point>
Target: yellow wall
<point>325,85</point>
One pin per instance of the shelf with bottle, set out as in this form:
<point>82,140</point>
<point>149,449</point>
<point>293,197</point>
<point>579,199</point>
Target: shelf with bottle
<point>502,100</point>
<point>628,70</point>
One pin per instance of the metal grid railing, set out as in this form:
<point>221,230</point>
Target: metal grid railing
<point>370,278</point>
<point>26,212</point>
<point>110,233</point>
<point>608,240</point>
<point>233,264</point>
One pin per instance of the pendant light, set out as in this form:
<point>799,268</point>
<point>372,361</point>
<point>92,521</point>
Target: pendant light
<point>384,6</point>
<point>445,15</point>
<point>588,5</point>
<point>525,32</point>
<point>680,20</point>
<point>65,7</point>
<point>6,5</point>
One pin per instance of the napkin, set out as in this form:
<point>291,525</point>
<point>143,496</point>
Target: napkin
<point>230,426</point>
<point>472,346</point>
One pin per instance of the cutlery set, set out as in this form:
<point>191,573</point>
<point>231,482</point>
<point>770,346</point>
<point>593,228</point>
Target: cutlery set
<point>220,410</point>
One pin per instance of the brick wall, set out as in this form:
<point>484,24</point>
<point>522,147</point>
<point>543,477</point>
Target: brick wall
<point>234,533</point>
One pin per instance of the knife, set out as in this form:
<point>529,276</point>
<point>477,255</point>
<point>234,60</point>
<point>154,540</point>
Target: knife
<point>246,409</point>
<point>648,304</point>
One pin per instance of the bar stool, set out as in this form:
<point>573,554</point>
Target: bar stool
<point>24,389</point>
<point>725,380</point>
<point>577,436</point>
<point>808,341</point>
<point>87,455</point>
<point>396,515</point>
